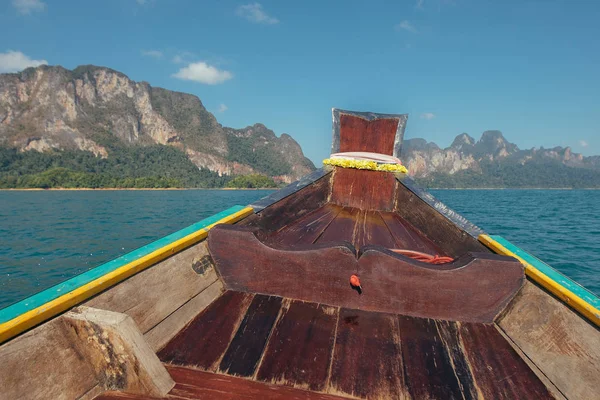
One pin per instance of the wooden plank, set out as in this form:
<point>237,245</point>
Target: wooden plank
<point>429,369</point>
<point>246,348</point>
<point>442,232</point>
<point>407,237</point>
<point>564,346</point>
<point>203,342</point>
<point>474,288</point>
<point>115,347</point>
<point>342,228</point>
<point>288,210</point>
<point>162,333</point>
<point>299,351</point>
<point>111,395</point>
<point>149,298</point>
<point>359,134</point>
<point>198,384</point>
<point>33,364</point>
<point>364,189</point>
<point>497,369</point>
<point>372,230</point>
<point>573,294</point>
<point>308,228</point>
<point>367,358</point>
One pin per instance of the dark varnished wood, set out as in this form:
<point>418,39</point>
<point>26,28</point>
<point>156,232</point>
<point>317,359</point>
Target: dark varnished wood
<point>295,206</point>
<point>308,228</point>
<point>498,370</point>
<point>428,366</point>
<point>407,237</point>
<point>472,288</point>
<point>300,347</point>
<point>246,347</point>
<point>367,358</point>
<point>202,385</point>
<point>364,189</point>
<point>359,134</point>
<point>125,396</point>
<point>342,228</point>
<point>450,336</point>
<point>372,230</point>
<point>452,240</point>
<point>205,339</point>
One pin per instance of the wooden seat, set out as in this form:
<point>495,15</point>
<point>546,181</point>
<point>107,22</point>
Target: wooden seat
<point>475,288</point>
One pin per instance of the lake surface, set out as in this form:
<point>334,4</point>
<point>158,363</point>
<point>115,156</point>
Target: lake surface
<point>49,236</point>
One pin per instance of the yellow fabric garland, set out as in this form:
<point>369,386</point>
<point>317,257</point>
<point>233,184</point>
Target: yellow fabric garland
<point>364,164</point>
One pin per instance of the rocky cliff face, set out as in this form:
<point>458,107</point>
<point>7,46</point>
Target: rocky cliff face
<point>425,159</point>
<point>92,108</point>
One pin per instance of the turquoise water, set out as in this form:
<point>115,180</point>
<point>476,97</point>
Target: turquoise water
<point>49,236</point>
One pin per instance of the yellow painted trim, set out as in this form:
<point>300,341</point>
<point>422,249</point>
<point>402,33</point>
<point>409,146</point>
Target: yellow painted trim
<point>564,294</point>
<point>31,318</point>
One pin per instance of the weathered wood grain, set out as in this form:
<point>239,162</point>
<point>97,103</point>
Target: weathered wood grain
<point>359,134</point>
<point>203,385</point>
<point>443,233</point>
<point>246,347</point>
<point>114,346</point>
<point>32,364</point>
<point>407,237</point>
<point>372,230</point>
<point>474,288</point>
<point>429,369</point>
<point>162,333</point>
<point>497,369</point>
<point>308,228</point>
<point>564,346</point>
<point>363,189</point>
<point>148,297</point>
<point>367,360</point>
<point>203,342</point>
<point>288,210</point>
<point>391,283</point>
<point>299,351</point>
<point>342,228</point>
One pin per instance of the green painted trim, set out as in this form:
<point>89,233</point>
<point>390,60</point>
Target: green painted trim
<point>45,296</point>
<point>551,273</point>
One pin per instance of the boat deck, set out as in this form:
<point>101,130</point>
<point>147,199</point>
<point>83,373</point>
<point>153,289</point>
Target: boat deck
<point>332,223</point>
<point>320,350</point>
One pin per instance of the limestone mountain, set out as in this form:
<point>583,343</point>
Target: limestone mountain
<point>492,161</point>
<point>96,109</point>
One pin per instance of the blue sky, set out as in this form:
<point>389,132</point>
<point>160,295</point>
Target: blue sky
<point>528,68</point>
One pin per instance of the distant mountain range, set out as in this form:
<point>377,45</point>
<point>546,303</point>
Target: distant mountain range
<point>492,161</point>
<point>94,127</point>
<point>97,109</point>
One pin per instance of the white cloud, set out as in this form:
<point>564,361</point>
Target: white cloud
<point>419,5</point>
<point>14,61</point>
<point>428,115</point>
<point>222,108</point>
<point>583,143</point>
<point>255,13</point>
<point>27,7</point>
<point>407,26</point>
<point>152,53</point>
<point>203,73</point>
